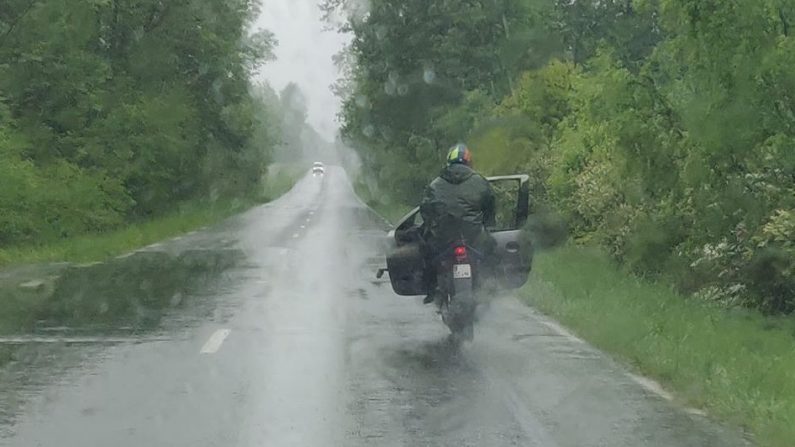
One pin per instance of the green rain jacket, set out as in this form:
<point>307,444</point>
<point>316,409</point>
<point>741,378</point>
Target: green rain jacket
<point>460,202</point>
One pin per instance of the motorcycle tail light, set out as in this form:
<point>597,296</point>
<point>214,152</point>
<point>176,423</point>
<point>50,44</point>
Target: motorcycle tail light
<point>460,253</point>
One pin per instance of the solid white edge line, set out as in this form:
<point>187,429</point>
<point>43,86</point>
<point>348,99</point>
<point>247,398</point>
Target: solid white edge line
<point>696,412</point>
<point>651,386</point>
<point>560,330</point>
<point>215,341</point>
<point>646,383</point>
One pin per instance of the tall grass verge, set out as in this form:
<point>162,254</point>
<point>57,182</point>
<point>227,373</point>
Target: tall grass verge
<point>736,364</point>
<point>188,217</point>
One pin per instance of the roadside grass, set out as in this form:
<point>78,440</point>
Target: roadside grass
<point>188,217</point>
<point>738,365</point>
<point>96,247</point>
<point>279,180</point>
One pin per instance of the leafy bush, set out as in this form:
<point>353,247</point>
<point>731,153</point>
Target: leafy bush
<point>59,201</point>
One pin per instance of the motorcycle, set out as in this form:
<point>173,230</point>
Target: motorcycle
<point>457,271</point>
<point>461,269</point>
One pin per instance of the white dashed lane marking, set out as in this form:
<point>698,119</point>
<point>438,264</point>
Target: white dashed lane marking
<point>215,341</point>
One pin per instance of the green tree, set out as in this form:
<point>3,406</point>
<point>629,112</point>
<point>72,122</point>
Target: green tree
<point>130,105</point>
<point>662,129</point>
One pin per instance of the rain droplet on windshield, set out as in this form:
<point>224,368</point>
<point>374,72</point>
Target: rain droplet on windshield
<point>429,75</point>
<point>176,299</point>
<point>138,34</point>
<point>380,32</point>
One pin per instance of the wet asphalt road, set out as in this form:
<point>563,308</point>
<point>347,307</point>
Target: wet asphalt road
<point>299,346</point>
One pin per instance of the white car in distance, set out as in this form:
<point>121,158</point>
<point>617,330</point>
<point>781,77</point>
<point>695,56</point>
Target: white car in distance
<point>318,169</point>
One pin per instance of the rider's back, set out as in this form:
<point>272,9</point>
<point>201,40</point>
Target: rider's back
<point>457,203</point>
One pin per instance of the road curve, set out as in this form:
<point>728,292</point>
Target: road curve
<point>298,345</point>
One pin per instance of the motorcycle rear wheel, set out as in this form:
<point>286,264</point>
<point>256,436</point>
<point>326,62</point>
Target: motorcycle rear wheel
<point>458,313</point>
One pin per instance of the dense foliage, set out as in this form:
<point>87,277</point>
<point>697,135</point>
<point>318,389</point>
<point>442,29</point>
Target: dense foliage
<point>664,130</point>
<point>116,110</point>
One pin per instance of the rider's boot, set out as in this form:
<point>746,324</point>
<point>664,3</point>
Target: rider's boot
<point>433,291</point>
<point>430,298</point>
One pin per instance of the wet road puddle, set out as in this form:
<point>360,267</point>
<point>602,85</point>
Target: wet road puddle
<point>133,291</point>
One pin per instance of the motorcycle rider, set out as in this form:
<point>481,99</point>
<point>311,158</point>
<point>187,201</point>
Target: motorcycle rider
<point>458,204</point>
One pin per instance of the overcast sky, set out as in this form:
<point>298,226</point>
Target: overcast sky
<point>304,56</point>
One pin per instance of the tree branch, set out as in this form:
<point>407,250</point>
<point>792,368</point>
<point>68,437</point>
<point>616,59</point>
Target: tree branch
<point>784,22</point>
<point>13,26</point>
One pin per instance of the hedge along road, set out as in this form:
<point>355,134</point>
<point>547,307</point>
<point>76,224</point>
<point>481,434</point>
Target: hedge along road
<point>298,345</point>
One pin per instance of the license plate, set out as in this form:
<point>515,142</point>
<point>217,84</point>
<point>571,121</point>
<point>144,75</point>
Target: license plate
<point>462,271</point>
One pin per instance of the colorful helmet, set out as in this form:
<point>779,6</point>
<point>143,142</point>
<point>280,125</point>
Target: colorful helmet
<point>459,154</point>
